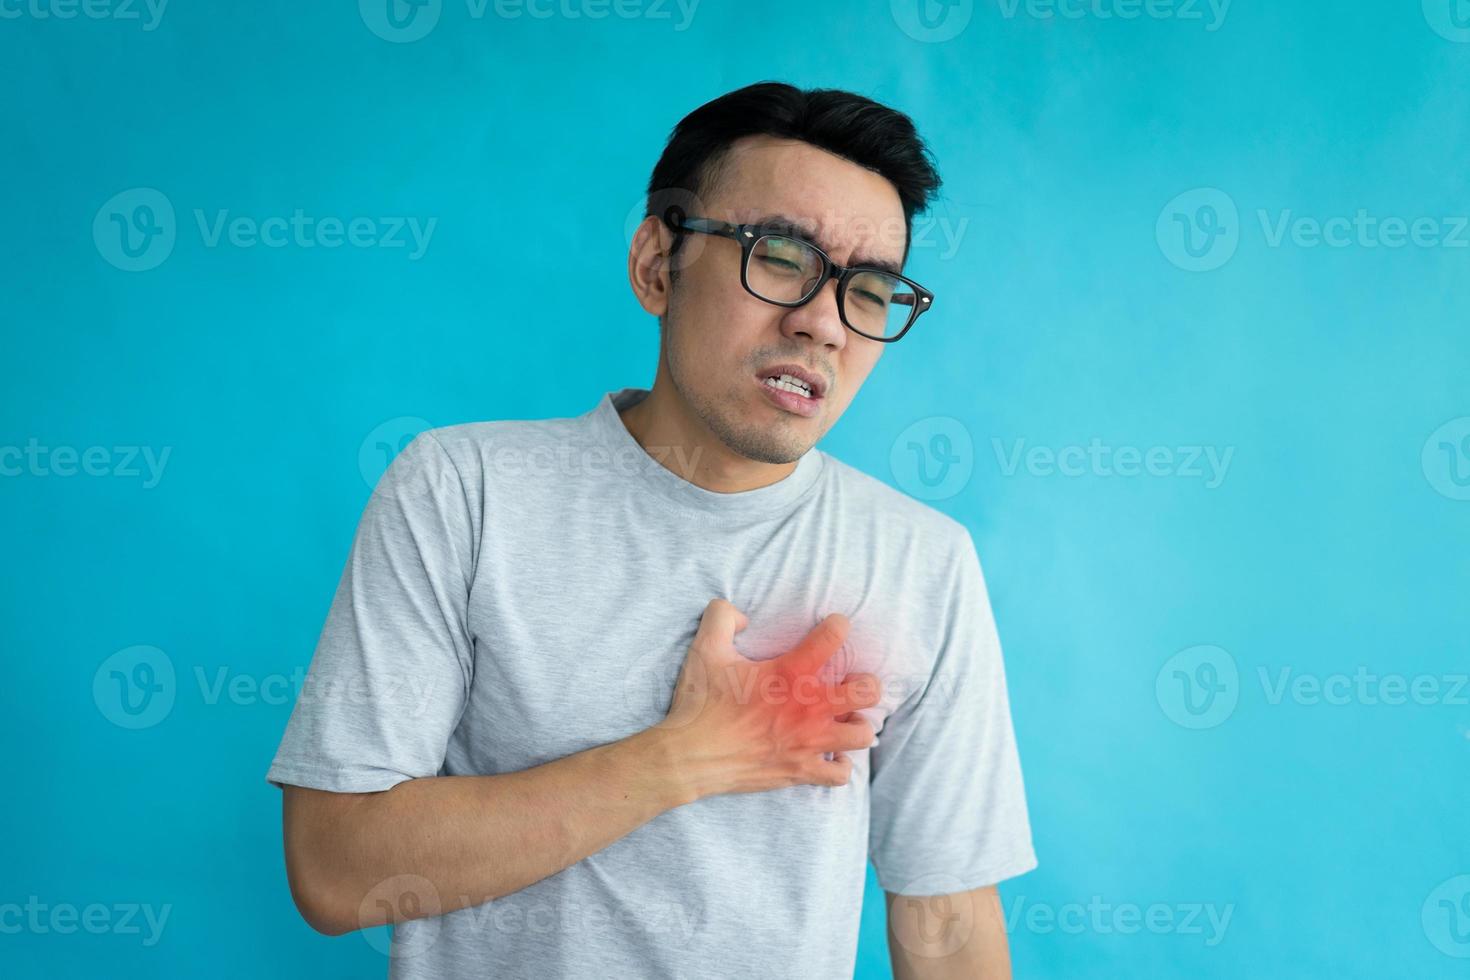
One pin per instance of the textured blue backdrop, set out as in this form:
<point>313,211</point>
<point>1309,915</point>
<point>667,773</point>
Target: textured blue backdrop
<point>1196,380</point>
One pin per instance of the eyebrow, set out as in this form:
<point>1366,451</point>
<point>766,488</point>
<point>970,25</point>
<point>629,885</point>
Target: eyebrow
<point>782,224</point>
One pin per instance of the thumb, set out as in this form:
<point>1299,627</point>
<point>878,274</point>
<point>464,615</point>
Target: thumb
<point>718,625</point>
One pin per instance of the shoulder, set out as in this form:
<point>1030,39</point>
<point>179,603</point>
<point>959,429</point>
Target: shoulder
<point>479,451</point>
<point>474,439</point>
<point>911,519</point>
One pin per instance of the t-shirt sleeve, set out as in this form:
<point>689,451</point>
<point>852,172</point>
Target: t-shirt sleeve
<point>391,672</point>
<point>948,808</point>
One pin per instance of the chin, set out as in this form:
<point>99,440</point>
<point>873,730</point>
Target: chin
<point>759,443</point>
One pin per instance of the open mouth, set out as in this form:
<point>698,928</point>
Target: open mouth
<point>794,378</point>
<point>786,382</point>
<point>792,388</point>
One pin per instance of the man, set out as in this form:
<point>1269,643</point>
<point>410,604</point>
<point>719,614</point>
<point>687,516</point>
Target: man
<point>637,693</point>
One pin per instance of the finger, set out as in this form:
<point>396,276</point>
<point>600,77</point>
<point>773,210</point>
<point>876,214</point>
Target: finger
<point>833,772</point>
<point>858,691</point>
<point>849,736</point>
<point>817,647</point>
<point>718,625</point>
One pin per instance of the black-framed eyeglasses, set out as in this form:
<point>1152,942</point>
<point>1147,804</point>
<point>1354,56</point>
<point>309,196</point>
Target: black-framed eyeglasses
<point>784,270</point>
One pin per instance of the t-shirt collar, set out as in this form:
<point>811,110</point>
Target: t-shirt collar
<point>631,460</point>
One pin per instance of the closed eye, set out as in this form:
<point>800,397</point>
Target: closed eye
<point>779,264</point>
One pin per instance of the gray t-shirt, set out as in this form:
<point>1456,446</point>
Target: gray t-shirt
<point>519,591</point>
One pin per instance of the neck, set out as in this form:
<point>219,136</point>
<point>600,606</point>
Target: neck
<point>664,426</point>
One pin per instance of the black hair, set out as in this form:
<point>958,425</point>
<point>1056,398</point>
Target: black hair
<point>851,126</point>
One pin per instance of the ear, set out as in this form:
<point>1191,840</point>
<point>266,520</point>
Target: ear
<point>648,265</point>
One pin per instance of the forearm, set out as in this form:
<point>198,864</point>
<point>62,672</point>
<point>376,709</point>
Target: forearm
<point>969,942</point>
<point>471,838</point>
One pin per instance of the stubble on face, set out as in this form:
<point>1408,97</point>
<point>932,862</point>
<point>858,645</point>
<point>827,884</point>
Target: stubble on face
<point>710,314</point>
<point>779,443</point>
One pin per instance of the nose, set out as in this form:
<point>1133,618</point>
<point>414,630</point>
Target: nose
<point>817,320</point>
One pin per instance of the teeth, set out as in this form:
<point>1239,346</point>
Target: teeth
<point>787,383</point>
<point>791,379</point>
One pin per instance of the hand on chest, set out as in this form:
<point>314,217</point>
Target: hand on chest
<point>562,670</point>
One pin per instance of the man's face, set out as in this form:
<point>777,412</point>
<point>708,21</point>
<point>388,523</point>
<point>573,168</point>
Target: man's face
<point>721,343</point>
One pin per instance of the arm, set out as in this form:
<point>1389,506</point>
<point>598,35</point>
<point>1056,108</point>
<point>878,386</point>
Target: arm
<point>437,844</point>
<point>948,937</point>
<point>458,841</point>
<point>947,798</point>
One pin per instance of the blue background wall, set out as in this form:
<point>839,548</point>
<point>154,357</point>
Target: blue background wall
<point>1119,256</point>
